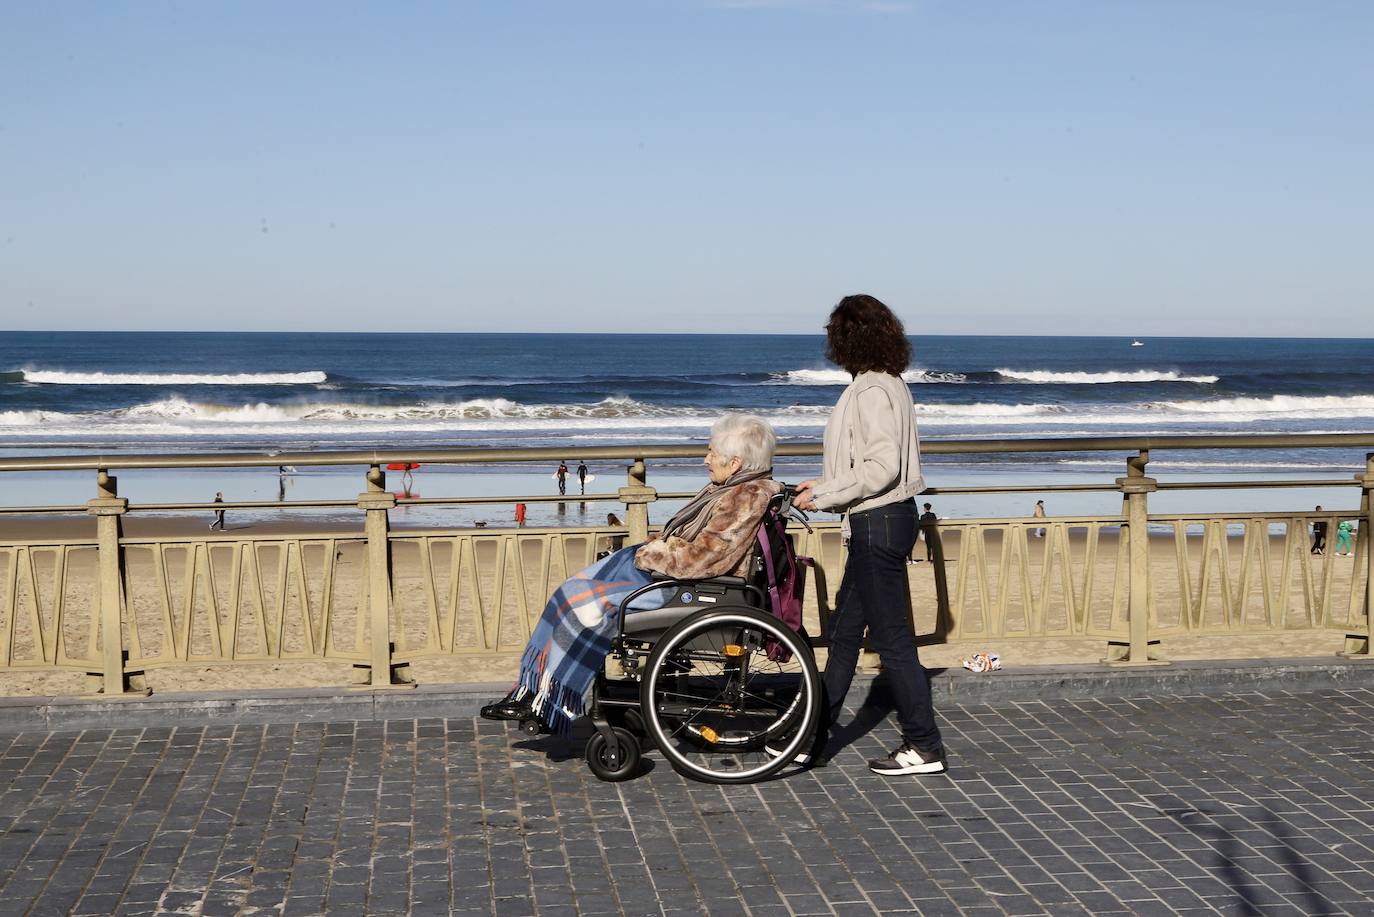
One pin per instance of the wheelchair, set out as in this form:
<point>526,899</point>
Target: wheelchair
<point>710,678</point>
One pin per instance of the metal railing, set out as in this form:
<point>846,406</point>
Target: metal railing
<point>382,599</point>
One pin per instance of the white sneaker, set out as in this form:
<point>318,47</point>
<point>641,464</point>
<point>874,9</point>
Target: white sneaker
<point>775,749</point>
<point>908,759</point>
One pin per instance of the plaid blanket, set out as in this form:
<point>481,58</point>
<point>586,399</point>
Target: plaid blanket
<point>573,637</point>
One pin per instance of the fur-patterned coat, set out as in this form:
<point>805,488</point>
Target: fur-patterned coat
<point>724,546</point>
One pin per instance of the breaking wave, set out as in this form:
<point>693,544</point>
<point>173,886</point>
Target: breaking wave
<point>58,377</point>
<point>477,408</point>
<point>1045,377</point>
<point>1300,405</point>
<point>619,415</point>
<point>181,415</point>
<point>840,377</point>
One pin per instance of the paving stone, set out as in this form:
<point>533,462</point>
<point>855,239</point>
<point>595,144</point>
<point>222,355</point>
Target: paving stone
<point>1247,803</point>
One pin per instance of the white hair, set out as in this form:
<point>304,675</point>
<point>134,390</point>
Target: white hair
<point>746,437</point>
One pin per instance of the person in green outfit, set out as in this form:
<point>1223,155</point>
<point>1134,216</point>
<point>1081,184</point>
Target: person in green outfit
<point>1343,532</point>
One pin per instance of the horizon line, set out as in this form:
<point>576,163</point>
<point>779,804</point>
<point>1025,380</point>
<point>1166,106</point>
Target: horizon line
<point>929,334</point>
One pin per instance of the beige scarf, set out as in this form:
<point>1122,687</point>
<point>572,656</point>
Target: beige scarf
<point>688,522</point>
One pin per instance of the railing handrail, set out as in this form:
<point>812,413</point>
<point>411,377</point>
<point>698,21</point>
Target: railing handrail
<point>467,456</point>
<point>115,662</point>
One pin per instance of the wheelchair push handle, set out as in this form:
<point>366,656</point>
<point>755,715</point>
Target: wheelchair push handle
<point>782,505</point>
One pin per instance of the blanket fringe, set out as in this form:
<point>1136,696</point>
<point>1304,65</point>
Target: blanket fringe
<point>557,705</point>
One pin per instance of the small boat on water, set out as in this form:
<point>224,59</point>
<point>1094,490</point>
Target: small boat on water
<point>1136,343</point>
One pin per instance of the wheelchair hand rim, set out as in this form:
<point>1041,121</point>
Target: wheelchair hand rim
<point>713,618</point>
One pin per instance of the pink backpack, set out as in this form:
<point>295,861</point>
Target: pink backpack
<point>785,577</point>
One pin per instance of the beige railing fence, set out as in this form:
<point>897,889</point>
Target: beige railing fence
<point>117,607</point>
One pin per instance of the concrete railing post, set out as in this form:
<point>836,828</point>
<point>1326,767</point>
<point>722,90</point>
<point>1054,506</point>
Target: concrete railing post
<point>107,508</point>
<point>1357,645</point>
<point>1135,491</point>
<point>377,503</point>
<point>637,495</point>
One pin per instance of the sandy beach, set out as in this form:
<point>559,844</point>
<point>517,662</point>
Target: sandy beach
<point>543,560</point>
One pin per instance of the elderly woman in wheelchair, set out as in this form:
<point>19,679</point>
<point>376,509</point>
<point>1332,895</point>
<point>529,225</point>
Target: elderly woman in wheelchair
<point>706,670</point>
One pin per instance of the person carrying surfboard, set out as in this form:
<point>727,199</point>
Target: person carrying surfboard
<point>562,475</point>
<point>582,476</point>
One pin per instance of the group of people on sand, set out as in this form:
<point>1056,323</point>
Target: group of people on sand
<point>1345,532</point>
<point>561,475</point>
<point>871,473</point>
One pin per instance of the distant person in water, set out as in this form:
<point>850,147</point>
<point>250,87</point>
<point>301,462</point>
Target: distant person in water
<point>562,475</point>
<point>219,514</point>
<point>1319,535</point>
<point>582,476</point>
<point>1039,514</point>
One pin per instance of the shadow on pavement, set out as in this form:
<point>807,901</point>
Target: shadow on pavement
<point>1230,851</point>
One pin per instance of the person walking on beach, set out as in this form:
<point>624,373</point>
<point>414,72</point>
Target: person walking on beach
<point>926,534</point>
<point>1319,535</point>
<point>872,474</point>
<point>1039,514</point>
<point>520,514</point>
<point>1343,532</point>
<point>562,475</point>
<point>582,476</point>
<point>219,514</point>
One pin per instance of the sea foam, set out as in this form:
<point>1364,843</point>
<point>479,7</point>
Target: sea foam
<point>1302,405</point>
<point>840,377</point>
<point>1046,377</point>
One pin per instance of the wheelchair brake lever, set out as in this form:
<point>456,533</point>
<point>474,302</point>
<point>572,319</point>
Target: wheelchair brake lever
<point>787,510</point>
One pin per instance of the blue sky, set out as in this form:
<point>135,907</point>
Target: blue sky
<point>678,165</point>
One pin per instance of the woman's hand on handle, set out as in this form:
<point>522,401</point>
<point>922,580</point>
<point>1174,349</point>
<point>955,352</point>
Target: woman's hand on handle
<point>804,499</point>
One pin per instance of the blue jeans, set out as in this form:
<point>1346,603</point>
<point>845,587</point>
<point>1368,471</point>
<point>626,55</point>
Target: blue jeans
<point>874,596</point>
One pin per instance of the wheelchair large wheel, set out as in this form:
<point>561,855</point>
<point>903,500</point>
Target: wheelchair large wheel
<point>715,692</point>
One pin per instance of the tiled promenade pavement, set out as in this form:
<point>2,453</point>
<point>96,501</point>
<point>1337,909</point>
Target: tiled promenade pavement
<point>1244,804</point>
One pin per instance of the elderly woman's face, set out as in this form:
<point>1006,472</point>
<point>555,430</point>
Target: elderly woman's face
<point>720,467</point>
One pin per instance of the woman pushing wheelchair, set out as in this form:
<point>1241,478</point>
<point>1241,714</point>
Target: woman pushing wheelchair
<point>712,535</point>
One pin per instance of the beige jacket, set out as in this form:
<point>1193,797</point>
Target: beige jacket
<point>872,454</point>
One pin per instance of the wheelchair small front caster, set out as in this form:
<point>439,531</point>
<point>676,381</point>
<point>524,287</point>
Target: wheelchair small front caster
<point>530,727</point>
<point>610,763</point>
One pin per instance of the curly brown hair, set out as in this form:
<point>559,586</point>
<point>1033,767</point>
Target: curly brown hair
<point>864,335</point>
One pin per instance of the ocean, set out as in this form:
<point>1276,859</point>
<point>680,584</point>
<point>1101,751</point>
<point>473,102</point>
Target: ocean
<point>72,392</point>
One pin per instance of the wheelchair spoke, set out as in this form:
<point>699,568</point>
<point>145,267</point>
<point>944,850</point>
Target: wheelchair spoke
<point>764,700</point>
<point>712,696</point>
